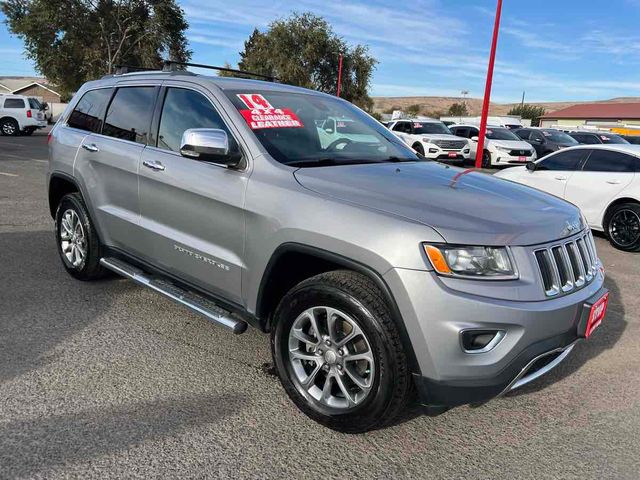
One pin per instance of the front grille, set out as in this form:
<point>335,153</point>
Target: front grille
<point>567,266</point>
<point>520,153</point>
<point>451,144</point>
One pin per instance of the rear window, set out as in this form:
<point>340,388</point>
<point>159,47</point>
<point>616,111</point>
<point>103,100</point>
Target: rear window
<point>14,103</point>
<point>129,114</point>
<point>609,161</point>
<point>35,104</point>
<point>89,111</point>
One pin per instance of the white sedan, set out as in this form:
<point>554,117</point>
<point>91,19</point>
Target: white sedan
<point>603,180</point>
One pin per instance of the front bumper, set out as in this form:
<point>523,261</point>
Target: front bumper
<point>504,158</point>
<point>537,335</point>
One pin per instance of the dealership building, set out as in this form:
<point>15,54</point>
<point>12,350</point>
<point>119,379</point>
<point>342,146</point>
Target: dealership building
<point>618,117</point>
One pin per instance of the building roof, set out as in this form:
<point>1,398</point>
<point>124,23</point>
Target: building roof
<point>598,111</point>
<point>16,84</point>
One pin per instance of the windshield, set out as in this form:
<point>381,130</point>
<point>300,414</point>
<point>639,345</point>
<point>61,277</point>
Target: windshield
<point>559,137</point>
<point>306,130</point>
<point>430,127</point>
<point>610,138</point>
<point>502,134</point>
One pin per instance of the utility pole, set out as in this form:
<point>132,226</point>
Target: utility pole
<point>487,89</point>
<point>339,75</point>
<point>464,101</point>
<point>522,104</point>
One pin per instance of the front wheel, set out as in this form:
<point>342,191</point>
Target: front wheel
<point>623,227</point>
<point>486,159</point>
<point>419,149</point>
<point>338,353</point>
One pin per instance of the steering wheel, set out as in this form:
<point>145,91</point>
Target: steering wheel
<point>333,146</point>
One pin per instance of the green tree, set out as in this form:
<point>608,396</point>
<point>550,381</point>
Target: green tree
<point>458,110</point>
<point>72,41</point>
<point>303,50</point>
<point>414,109</point>
<point>532,112</point>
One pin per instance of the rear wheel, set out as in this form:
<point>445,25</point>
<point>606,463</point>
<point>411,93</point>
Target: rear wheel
<point>28,131</point>
<point>338,353</point>
<point>76,238</point>
<point>623,227</point>
<point>9,127</point>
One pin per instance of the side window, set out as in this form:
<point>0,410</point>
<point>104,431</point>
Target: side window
<point>524,134</point>
<point>590,139</point>
<point>184,109</point>
<point>462,132</point>
<point>90,109</point>
<point>473,132</point>
<point>536,137</point>
<point>14,103</point>
<point>608,161</point>
<point>566,161</point>
<point>401,127</point>
<point>129,114</point>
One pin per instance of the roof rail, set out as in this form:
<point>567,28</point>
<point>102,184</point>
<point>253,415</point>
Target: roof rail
<point>170,66</point>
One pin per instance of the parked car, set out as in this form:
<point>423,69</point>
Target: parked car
<point>376,272</point>
<point>20,115</point>
<point>632,139</point>
<point>501,146</point>
<point>545,140</point>
<point>431,139</point>
<point>597,138</point>
<point>603,180</point>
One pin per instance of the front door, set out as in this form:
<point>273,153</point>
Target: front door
<point>553,172</point>
<point>192,211</point>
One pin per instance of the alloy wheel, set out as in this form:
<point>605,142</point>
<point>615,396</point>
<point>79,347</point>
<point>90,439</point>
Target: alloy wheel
<point>331,358</point>
<point>8,128</point>
<point>624,227</point>
<point>73,241</point>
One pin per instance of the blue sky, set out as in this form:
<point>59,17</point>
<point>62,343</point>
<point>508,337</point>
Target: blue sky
<point>554,50</point>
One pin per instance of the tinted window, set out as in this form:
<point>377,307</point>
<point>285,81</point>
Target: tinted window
<point>185,109</point>
<point>634,139</point>
<point>586,139</point>
<point>501,134</point>
<point>400,126</point>
<point>35,104</point>
<point>536,137</point>
<point>14,103</point>
<point>460,132</point>
<point>129,114</point>
<point>608,161</point>
<point>523,134</point>
<point>567,160</point>
<point>430,127</point>
<point>558,137</point>
<point>89,111</point>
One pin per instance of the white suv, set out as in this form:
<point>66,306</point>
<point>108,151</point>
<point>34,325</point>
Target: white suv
<point>20,115</point>
<point>432,139</point>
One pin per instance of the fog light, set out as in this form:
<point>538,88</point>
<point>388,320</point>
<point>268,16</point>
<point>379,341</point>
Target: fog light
<point>433,150</point>
<point>480,341</point>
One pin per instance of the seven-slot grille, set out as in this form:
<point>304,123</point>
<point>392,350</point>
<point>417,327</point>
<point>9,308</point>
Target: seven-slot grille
<point>451,144</point>
<point>569,265</point>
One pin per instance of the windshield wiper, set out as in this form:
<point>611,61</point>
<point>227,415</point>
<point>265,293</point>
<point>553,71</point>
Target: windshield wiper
<point>325,162</point>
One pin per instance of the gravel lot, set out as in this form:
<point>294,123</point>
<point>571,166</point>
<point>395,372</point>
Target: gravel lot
<point>110,380</point>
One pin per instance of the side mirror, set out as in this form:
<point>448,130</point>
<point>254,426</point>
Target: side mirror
<point>531,166</point>
<point>537,140</point>
<point>474,139</point>
<point>209,145</point>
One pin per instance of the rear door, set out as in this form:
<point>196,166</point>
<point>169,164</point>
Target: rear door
<point>553,172</point>
<point>192,211</point>
<point>604,175</point>
<point>108,162</point>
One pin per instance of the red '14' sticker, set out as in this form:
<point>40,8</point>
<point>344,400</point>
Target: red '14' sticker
<point>261,114</point>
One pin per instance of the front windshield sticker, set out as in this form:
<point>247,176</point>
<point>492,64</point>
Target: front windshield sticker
<point>604,138</point>
<point>262,114</point>
<point>546,134</point>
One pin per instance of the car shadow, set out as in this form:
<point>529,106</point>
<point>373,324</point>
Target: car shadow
<point>40,304</point>
<point>604,338</point>
<point>29,448</point>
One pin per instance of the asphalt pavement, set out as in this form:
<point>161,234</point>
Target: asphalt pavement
<point>110,380</point>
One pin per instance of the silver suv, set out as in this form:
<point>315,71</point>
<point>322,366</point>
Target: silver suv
<point>379,274</point>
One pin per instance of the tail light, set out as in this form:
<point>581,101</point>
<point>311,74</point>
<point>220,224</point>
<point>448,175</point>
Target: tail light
<point>49,137</point>
<point>29,114</point>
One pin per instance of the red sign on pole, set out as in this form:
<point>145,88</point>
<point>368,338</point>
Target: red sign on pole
<point>487,88</point>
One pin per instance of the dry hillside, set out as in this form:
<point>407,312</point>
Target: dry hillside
<point>440,105</point>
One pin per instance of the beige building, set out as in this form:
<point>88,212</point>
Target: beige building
<point>31,87</point>
<point>619,117</point>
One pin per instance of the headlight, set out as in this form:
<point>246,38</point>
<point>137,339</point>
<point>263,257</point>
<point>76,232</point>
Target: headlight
<point>503,149</point>
<point>472,262</point>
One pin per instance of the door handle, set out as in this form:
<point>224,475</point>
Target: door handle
<point>91,147</point>
<point>613,182</point>
<point>561,178</point>
<point>153,165</point>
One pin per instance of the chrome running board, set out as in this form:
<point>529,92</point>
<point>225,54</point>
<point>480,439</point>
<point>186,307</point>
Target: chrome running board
<point>522,378</point>
<point>191,300</point>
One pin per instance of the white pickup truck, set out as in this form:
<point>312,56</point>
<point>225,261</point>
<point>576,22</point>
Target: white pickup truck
<point>432,139</point>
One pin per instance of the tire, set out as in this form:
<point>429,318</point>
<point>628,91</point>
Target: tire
<point>72,216</point>
<point>353,299</point>
<point>28,131</point>
<point>419,149</point>
<point>486,159</point>
<point>622,227</point>
<point>9,127</point>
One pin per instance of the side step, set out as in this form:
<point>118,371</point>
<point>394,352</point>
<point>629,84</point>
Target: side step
<point>194,301</point>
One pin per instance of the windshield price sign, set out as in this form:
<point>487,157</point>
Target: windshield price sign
<point>261,114</point>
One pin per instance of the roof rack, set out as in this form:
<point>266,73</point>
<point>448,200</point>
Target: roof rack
<point>171,66</point>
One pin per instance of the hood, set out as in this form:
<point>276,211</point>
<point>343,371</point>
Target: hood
<point>464,206</point>
<point>513,144</point>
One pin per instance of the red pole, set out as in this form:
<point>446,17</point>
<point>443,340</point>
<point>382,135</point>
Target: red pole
<point>339,75</point>
<point>487,88</point>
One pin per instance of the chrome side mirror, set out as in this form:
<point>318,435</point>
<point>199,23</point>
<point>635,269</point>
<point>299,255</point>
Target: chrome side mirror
<point>209,145</point>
